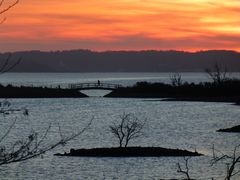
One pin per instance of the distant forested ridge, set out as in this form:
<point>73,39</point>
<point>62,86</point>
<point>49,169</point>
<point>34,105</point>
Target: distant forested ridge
<point>123,61</point>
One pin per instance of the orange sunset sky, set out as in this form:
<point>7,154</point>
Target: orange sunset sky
<point>188,25</point>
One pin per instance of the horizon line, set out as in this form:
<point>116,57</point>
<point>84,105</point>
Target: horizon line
<point>122,50</point>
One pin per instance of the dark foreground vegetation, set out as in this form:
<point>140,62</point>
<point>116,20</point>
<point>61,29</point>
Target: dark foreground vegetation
<point>129,152</point>
<point>225,91</point>
<point>232,129</point>
<point>37,92</point>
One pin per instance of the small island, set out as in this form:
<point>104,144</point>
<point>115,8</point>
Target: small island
<point>129,127</point>
<point>129,152</point>
<point>234,129</point>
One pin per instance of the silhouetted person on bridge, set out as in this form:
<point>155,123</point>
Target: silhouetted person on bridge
<point>98,82</point>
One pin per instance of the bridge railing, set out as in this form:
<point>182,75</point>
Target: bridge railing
<point>93,85</point>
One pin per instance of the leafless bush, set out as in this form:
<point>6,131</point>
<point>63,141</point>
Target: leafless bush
<point>130,127</point>
<point>184,171</point>
<point>176,79</point>
<point>218,73</point>
<point>33,145</point>
<point>232,161</point>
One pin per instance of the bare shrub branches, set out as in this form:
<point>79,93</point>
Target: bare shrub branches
<point>129,128</point>
<point>218,73</point>
<point>231,161</point>
<point>7,66</point>
<point>176,79</point>
<point>34,144</point>
<point>7,7</point>
<point>184,171</point>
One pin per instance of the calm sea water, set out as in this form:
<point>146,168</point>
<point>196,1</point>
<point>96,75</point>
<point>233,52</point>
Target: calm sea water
<point>184,125</point>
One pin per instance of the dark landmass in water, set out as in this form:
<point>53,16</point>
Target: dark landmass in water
<point>129,152</point>
<point>226,91</point>
<point>38,92</point>
<point>235,129</point>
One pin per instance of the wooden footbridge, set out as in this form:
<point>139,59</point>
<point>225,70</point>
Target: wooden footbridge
<point>86,86</point>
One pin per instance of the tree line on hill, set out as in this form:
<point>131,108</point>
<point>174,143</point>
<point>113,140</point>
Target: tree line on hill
<point>123,61</point>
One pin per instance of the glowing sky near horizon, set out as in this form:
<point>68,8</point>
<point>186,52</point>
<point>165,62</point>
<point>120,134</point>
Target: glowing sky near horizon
<point>188,25</point>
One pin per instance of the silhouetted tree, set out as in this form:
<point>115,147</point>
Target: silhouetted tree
<point>232,161</point>
<point>130,127</point>
<point>176,79</point>
<point>218,73</point>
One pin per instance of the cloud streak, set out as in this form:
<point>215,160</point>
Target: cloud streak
<point>122,24</point>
